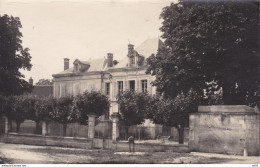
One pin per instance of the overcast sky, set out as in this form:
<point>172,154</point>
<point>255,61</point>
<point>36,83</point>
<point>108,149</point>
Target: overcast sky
<point>57,29</point>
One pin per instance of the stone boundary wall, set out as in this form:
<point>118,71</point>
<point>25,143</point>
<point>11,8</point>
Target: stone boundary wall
<point>85,143</point>
<point>47,140</point>
<point>225,129</point>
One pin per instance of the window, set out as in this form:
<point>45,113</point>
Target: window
<point>107,89</point>
<point>76,67</point>
<point>144,86</point>
<point>132,85</point>
<point>120,86</point>
<point>132,60</point>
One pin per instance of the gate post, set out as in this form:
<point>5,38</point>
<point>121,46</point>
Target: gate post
<point>91,126</point>
<point>115,129</point>
<point>6,124</point>
<point>44,128</point>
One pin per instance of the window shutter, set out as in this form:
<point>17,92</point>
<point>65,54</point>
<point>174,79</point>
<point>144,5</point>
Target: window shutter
<point>114,91</point>
<point>149,87</point>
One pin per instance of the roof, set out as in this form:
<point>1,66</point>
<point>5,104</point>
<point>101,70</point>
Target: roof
<point>95,65</point>
<point>147,48</point>
<point>42,90</point>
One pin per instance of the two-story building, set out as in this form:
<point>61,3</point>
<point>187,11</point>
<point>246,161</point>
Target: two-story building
<point>106,76</point>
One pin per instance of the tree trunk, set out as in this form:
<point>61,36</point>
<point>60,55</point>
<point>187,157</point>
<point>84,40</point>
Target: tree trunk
<point>64,129</point>
<point>181,134</point>
<point>18,127</point>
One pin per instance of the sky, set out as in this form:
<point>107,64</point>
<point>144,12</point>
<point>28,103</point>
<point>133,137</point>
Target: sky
<point>80,29</point>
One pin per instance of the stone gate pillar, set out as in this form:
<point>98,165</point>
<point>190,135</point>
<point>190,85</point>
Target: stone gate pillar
<point>44,128</point>
<point>115,128</point>
<point>6,124</point>
<point>91,126</point>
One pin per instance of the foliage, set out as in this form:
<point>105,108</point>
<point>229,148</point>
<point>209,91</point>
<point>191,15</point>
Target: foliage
<point>44,108</point>
<point>13,57</point>
<point>209,42</point>
<point>16,110</point>
<point>173,112</point>
<point>63,112</point>
<point>90,103</point>
<point>44,82</point>
<point>2,104</point>
<point>133,107</point>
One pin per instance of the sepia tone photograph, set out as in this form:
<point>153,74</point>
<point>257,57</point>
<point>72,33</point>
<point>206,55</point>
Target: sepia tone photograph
<point>129,82</point>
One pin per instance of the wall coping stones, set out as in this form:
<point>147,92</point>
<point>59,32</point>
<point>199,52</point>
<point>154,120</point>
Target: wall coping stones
<point>226,109</point>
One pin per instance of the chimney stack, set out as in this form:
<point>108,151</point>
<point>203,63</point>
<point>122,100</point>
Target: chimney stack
<point>130,49</point>
<point>66,63</point>
<point>31,81</point>
<point>110,60</point>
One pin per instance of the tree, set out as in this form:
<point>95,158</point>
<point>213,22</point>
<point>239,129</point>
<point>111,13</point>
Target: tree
<point>64,113</point>
<point>208,42</point>
<point>90,103</point>
<point>173,112</point>
<point>17,111</point>
<point>13,57</point>
<point>133,107</point>
<point>44,82</point>
<point>29,107</point>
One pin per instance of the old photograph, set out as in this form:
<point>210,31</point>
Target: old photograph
<point>129,82</point>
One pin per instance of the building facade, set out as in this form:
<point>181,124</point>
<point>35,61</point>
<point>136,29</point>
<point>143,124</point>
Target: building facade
<point>108,77</point>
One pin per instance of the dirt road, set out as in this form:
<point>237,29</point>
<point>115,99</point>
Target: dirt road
<point>27,154</point>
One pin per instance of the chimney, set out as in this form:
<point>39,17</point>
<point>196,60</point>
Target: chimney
<point>31,81</point>
<point>130,49</point>
<point>110,60</point>
<point>66,63</point>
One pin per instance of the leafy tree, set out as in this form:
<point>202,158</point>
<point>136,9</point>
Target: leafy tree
<point>133,107</point>
<point>209,42</point>
<point>90,103</point>
<point>44,82</point>
<point>17,111</point>
<point>44,108</point>
<point>13,57</point>
<point>173,112</point>
<point>29,107</point>
<point>64,113</point>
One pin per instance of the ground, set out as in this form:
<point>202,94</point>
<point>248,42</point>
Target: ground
<point>28,154</point>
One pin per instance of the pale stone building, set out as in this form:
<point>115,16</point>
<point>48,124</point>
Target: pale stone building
<point>106,76</point>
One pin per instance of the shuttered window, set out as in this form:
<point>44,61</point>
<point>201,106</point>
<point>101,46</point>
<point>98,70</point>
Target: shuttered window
<point>120,86</point>
<point>144,86</point>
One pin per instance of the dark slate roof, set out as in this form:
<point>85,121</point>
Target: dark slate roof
<point>42,90</point>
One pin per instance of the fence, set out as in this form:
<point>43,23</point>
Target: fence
<point>151,133</point>
<point>103,129</point>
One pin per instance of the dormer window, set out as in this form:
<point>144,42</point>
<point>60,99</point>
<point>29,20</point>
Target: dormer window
<point>132,60</point>
<point>76,67</point>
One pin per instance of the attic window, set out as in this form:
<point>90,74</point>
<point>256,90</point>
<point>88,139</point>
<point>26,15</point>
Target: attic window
<point>132,60</point>
<point>76,67</point>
